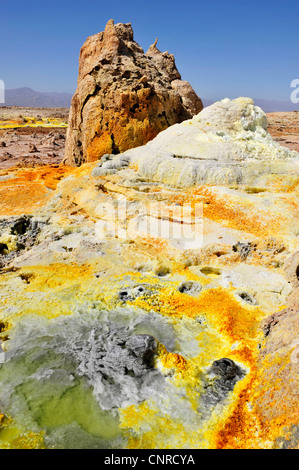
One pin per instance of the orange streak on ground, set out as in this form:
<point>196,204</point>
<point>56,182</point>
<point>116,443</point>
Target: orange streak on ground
<point>29,189</point>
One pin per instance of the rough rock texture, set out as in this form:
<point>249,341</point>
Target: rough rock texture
<point>124,97</point>
<point>24,190</point>
<point>29,147</point>
<point>279,361</point>
<point>118,365</point>
<point>17,234</point>
<point>154,305</point>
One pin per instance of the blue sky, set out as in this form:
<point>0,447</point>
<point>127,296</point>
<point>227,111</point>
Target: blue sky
<point>223,48</point>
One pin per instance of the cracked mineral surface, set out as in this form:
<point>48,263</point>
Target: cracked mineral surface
<point>150,299</point>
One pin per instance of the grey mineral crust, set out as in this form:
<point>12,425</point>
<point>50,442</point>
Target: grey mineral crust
<point>219,380</point>
<point>117,364</point>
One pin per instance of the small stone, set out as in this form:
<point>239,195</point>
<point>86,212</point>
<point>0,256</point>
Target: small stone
<point>32,148</point>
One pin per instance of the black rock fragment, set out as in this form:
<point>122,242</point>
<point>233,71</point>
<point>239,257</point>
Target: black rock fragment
<point>220,379</point>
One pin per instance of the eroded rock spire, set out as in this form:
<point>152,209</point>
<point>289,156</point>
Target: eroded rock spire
<point>124,97</point>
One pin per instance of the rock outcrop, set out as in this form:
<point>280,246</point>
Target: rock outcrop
<point>124,97</point>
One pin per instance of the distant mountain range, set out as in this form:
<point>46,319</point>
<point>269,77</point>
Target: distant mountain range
<point>268,106</point>
<point>26,97</point>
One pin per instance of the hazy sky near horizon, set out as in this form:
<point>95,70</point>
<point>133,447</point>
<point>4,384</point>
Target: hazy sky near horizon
<point>224,48</point>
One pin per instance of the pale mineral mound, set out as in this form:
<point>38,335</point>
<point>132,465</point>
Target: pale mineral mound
<point>225,144</point>
<point>124,97</point>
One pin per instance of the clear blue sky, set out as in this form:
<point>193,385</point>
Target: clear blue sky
<point>224,48</point>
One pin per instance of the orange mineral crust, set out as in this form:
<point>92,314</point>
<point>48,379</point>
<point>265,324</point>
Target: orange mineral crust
<point>125,97</point>
<point>24,191</point>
